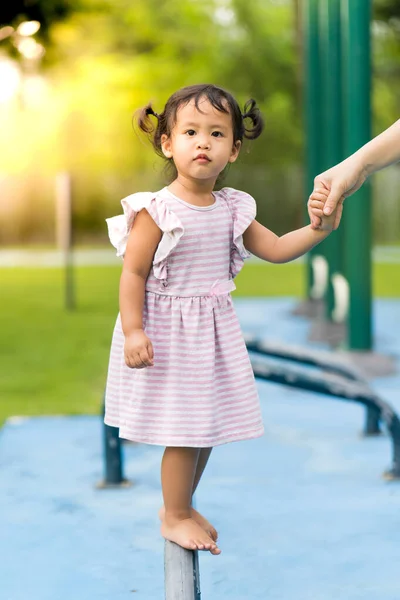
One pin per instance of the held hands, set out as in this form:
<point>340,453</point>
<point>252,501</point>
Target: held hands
<point>316,203</point>
<point>138,350</point>
<point>340,182</point>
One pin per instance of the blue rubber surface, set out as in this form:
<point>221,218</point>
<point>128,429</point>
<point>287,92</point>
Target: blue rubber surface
<point>302,513</point>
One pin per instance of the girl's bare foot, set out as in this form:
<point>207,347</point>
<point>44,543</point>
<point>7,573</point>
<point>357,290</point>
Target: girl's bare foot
<point>188,534</point>
<point>196,516</point>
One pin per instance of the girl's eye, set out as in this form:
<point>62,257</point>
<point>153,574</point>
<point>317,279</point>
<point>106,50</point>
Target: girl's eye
<point>217,134</point>
<point>190,132</point>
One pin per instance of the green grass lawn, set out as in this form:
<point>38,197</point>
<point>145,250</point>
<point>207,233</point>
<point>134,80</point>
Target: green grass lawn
<point>55,362</point>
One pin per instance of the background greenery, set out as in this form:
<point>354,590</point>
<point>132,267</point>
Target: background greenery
<point>106,58</point>
<point>71,110</point>
<point>55,362</point>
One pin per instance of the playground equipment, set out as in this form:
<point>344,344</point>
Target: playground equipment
<point>182,574</point>
<point>113,460</point>
<point>337,61</point>
<point>337,101</point>
<point>335,378</point>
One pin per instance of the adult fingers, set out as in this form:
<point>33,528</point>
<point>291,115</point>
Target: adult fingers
<point>335,195</point>
<point>338,215</point>
<point>321,184</point>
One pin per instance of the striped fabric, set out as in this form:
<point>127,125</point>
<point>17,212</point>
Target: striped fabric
<point>201,391</point>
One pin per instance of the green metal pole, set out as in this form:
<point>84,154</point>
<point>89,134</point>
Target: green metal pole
<point>332,123</point>
<point>312,107</point>
<point>357,89</point>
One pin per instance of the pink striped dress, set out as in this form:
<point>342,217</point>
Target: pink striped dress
<point>201,391</point>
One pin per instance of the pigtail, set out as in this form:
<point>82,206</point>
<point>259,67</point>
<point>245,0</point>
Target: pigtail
<point>144,121</point>
<point>252,112</point>
<point>152,129</point>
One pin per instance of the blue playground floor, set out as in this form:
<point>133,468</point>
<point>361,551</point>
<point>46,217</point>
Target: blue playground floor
<point>302,513</point>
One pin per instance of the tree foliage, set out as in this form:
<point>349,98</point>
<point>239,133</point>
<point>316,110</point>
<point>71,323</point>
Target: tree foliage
<point>106,58</point>
<point>45,11</point>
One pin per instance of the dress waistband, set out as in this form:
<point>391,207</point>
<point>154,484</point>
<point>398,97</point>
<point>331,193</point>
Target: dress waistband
<point>218,288</point>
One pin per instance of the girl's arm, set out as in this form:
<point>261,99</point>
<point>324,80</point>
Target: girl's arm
<point>263,243</point>
<point>142,244</point>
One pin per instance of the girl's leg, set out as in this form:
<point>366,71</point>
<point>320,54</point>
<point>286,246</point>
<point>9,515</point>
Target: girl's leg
<point>201,465</point>
<point>178,471</point>
<point>202,461</point>
<point>204,455</point>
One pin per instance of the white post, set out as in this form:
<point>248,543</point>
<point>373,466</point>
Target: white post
<point>64,232</point>
<point>320,270</point>
<point>341,293</point>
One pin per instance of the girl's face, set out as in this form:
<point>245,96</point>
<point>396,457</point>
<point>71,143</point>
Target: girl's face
<point>201,143</point>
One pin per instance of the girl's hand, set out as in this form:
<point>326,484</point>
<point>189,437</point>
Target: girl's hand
<point>138,350</point>
<point>316,203</point>
<point>341,181</point>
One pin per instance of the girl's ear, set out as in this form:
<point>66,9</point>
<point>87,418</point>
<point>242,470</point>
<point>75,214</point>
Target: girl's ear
<point>235,151</point>
<point>166,145</point>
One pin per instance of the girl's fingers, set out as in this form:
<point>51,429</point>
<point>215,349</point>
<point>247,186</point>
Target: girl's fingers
<point>321,190</point>
<point>316,204</point>
<point>318,197</point>
<point>134,361</point>
<point>144,357</point>
<point>150,350</point>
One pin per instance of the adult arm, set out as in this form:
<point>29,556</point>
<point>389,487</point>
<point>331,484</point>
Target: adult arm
<point>347,177</point>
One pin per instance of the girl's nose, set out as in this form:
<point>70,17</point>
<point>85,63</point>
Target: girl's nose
<point>203,144</point>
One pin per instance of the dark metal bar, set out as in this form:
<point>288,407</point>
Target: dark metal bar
<point>305,356</point>
<point>337,387</point>
<point>181,569</point>
<point>322,360</point>
<point>113,462</point>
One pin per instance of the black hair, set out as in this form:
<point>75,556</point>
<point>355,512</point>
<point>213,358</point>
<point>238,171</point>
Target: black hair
<point>219,98</point>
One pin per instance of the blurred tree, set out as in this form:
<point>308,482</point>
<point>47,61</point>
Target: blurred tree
<point>386,9</point>
<point>44,11</point>
<point>386,62</point>
<point>106,58</point>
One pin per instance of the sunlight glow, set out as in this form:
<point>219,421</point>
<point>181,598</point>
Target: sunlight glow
<point>30,49</point>
<point>10,79</point>
<point>28,28</point>
<point>6,31</point>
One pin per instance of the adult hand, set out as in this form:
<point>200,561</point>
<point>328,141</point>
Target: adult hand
<point>341,181</point>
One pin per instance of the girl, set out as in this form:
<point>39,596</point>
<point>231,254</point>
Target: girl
<point>179,373</point>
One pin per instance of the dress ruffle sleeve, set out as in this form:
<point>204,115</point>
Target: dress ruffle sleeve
<point>120,226</point>
<point>243,208</point>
